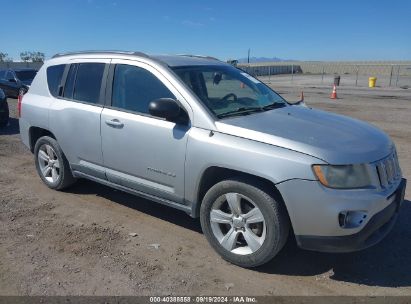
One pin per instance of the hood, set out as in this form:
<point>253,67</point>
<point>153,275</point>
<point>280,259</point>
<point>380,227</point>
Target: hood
<point>333,138</point>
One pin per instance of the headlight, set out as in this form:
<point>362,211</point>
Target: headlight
<point>343,177</point>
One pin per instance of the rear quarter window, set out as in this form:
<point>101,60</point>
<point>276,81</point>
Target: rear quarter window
<point>54,76</point>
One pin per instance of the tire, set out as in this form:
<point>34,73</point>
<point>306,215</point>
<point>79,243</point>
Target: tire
<point>54,172</point>
<point>22,91</point>
<point>271,233</point>
<point>4,115</point>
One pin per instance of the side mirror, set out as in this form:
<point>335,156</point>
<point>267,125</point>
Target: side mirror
<point>165,108</point>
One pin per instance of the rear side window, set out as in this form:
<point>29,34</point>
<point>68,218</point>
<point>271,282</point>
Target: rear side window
<point>134,88</point>
<point>88,82</point>
<point>54,75</point>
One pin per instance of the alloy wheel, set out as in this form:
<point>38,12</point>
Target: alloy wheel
<point>237,223</point>
<point>49,163</point>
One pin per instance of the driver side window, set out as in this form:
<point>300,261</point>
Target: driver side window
<point>134,88</point>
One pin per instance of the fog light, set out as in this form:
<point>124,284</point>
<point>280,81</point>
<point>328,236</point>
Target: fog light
<point>351,219</point>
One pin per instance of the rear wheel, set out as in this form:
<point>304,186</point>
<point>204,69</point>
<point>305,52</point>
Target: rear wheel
<point>244,223</point>
<point>51,164</point>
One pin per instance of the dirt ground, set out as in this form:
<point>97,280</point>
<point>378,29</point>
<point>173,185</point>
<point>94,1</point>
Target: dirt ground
<point>78,242</point>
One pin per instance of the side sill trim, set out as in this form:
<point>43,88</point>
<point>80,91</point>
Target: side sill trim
<point>154,198</point>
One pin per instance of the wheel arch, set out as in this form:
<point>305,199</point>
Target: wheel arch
<point>214,174</point>
<point>35,133</point>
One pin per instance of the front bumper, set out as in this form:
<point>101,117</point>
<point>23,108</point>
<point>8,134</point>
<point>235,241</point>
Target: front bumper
<point>373,232</point>
<point>315,221</point>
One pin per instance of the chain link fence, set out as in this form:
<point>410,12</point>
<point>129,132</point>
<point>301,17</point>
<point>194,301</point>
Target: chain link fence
<point>319,73</point>
<point>388,74</point>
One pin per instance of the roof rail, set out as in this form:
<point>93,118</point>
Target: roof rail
<point>199,56</point>
<point>100,52</point>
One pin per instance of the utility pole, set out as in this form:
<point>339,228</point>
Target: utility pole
<point>248,57</point>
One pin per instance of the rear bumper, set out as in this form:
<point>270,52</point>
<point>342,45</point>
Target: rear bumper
<point>372,233</point>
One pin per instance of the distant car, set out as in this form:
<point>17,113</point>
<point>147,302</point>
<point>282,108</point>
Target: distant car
<point>4,109</point>
<point>16,81</point>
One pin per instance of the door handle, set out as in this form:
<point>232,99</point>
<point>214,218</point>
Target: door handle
<point>114,123</point>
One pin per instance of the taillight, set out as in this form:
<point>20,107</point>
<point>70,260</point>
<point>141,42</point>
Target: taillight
<point>19,100</point>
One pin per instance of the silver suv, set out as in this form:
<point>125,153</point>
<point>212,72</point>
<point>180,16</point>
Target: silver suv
<point>204,137</point>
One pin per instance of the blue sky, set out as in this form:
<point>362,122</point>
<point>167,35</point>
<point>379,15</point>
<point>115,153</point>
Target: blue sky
<point>302,30</point>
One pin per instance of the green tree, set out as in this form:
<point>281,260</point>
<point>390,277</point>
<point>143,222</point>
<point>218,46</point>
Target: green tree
<point>3,57</point>
<point>25,56</point>
<point>37,57</point>
<point>32,56</point>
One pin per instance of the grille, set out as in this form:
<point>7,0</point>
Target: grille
<point>388,170</point>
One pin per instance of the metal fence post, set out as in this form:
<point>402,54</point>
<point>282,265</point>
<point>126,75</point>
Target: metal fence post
<point>292,72</point>
<point>269,74</point>
<point>392,67</point>
<point>398,75</point>
<point>356,77</point>
<point>322,76</point>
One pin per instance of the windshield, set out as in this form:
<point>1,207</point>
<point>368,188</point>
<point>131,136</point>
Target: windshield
<point>26,75</point>
<point>228,91</point>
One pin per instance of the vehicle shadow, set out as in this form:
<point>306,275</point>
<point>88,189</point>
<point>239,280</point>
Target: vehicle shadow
<point>387,264</point>
<point>12,127</point>
<point>160,211</point>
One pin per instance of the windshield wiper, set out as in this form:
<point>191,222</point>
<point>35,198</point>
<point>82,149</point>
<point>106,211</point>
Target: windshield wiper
<point>245,110</point>
<point>240,111</point>
<point>274,105</point>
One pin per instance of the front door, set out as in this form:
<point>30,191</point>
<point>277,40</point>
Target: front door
<point>140,151</point>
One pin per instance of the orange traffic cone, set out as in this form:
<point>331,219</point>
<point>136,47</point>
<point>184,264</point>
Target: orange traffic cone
<point>334,93</point>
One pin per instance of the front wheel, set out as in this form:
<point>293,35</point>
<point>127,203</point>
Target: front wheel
<point>244,223</point>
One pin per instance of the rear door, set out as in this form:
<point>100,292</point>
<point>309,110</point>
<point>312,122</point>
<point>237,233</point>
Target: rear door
<point>75,115</point>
